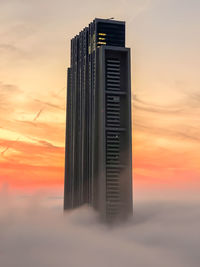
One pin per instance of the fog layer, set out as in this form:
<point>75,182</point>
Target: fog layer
<point>164,233</point>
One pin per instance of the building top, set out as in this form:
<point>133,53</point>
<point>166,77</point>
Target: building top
<point>104,32</point>
<point>109,21</point>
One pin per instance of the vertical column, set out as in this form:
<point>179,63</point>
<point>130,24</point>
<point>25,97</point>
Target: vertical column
<point>68,190</point>
<point>85,114</point>
<point>115,155</point>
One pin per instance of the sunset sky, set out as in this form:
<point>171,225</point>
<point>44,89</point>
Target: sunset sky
<point>164,37</point>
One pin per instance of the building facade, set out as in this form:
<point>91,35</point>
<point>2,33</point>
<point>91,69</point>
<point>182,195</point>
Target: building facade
<point>98,159</point>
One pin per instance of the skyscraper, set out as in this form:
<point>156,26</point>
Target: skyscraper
<point>98,159</point>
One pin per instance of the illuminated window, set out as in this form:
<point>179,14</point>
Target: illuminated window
<point>100,38</point>
<point>89,49</point>
<point>101,43</point>
<point>102,34</point>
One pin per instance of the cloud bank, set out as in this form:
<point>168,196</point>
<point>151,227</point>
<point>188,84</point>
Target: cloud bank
<point>160,234</point>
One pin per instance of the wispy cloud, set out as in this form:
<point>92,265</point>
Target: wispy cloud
<point>8,47</point>
<point>32,148</point>
<point>38,114</point>
<point>50,104</point>
<point>172,121</point>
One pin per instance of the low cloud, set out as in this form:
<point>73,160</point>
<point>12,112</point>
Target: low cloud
<point>160,234</point>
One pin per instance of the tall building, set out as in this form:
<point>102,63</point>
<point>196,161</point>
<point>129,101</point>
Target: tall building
<point>98,159</point>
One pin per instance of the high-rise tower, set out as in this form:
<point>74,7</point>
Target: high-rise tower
<point>98,159</point>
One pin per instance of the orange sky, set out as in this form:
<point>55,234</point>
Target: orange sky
<point>34,49</point>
